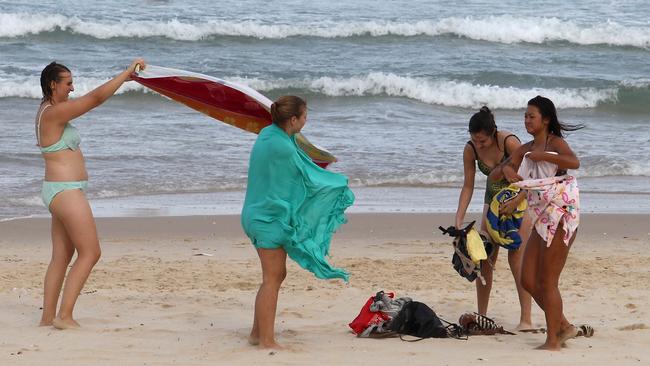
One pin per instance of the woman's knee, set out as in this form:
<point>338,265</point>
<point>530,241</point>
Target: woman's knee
<point>281,275</point>
<point>528,283</point>
<point>515,260</point>
<point>495,253</point>
<point>487,270</point>
<point>275,278</point>
<point>548,284</point>
<point>96,254</point>
<point>63,255</point>
<point>90,254</point>
<point>67,256</point>
<point>529,280</point>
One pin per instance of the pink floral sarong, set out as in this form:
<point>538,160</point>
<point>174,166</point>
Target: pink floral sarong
<point>551,201</point>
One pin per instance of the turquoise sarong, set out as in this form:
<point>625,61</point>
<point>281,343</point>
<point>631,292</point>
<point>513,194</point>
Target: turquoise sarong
<point>292,203</point>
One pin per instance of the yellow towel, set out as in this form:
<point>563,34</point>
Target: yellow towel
<point>475,246</point>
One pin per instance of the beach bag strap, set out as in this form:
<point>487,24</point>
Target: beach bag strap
<point>455,330</point>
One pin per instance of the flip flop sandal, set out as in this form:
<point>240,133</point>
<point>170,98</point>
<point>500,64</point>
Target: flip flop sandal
<point>533,330</point>
<point>476,324</point>
<point>585,330</point>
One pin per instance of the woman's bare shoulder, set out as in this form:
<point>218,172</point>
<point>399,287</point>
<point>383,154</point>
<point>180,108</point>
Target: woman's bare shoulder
<point>556,143</point>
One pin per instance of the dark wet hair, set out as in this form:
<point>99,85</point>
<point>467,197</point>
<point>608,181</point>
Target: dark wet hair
<point>483,121</point>
<point>286,107</point>
<point>49,74</point>
<point>547,110</point>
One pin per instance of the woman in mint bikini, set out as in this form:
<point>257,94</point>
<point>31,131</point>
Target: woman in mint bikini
<point>73,225</point>
<point>487,148</point>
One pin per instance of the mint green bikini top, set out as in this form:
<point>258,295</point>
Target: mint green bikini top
<point>70,138</point>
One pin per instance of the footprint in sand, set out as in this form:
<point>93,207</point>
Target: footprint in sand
<point>634,327</point>
<point>289,333</point>
<point>290,313</point>
<point>122,329</point>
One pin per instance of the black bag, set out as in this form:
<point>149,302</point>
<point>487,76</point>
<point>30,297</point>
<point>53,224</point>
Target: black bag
<point>418,320</point>
<point>461,260</point>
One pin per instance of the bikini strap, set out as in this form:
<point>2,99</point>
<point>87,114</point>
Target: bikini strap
<point>505,147</point>
<point>473,148</point>
<point>546,142</point>
<point>38,125</point>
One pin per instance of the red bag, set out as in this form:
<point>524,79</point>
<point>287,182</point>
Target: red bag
<point>367,318</point>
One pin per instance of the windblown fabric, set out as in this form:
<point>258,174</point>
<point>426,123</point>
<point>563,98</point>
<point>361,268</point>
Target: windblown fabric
<point>504,229</point>
<point>230,102</point>
<point>292,203</point>
<point>551,199</point>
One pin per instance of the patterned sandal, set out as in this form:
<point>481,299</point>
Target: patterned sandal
<point>477,324</point>
<point>585,330</point>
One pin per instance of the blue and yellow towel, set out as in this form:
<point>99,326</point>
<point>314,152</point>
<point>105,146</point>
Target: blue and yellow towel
<point>504,229</point>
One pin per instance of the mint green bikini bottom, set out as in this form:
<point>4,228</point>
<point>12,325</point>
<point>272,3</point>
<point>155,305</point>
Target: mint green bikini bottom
<point>51,189</point>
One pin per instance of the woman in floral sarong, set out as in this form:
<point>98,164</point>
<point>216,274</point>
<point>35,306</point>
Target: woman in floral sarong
<point>540,168</point>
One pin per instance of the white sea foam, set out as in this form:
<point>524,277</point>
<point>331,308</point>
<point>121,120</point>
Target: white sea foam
<point>29,87</point>
<point>441,178</point>
<point>449,93</point>
<point>35,200</point>
<point>458,93</point>
<point>440,92</point>
<point>428,179</point>
<point>173,187</point>
<point>637,83</point>
<point>7,219</point>
<point>615,168</point>
<point>511,29</point>
<point>502,29</point>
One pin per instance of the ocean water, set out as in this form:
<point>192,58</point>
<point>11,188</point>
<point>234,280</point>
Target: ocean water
<point>390,88</point>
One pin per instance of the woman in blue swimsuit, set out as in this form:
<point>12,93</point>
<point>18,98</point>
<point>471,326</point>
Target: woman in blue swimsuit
<point>73,224</point>
<point>487,148</point>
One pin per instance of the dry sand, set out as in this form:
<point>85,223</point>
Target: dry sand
<point>151,300</point>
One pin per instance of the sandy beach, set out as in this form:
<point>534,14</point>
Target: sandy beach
<point>180,290</point>
<point>391,88</point>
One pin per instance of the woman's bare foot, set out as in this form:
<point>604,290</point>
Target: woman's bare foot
<point>45,323</point>
<point>549,347</point>
<point>253,341</point>
<point>567,333</point>
<point>270,345</point>
<point>524,326</point>
<point>70,323</point>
